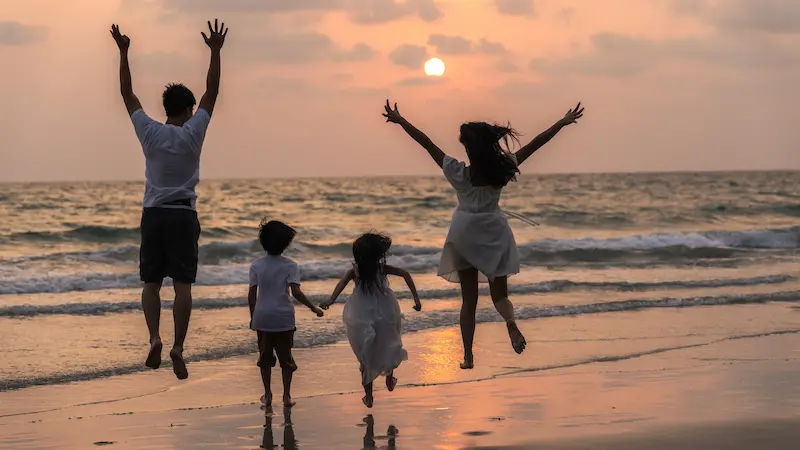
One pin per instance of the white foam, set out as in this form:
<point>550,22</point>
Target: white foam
<point>101,308</point>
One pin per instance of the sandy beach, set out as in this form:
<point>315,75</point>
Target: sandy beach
<point>705,377</point>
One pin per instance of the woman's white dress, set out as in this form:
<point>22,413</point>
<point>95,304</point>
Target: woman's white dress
<point>374,324</point>
<point>479,235</point>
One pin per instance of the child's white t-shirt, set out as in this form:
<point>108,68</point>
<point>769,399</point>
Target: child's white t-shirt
<point>274,311</point>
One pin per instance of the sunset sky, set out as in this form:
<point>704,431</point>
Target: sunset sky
<point>667,84</point>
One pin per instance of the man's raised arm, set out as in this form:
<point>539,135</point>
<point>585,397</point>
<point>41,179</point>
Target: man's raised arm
<point>126,85</point>
<point>215,41</point>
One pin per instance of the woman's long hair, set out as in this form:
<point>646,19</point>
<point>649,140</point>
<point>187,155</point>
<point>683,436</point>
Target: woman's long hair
<point>369,252</point>
<point>489,152</point>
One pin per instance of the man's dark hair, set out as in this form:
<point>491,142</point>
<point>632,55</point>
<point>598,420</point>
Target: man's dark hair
<point>275,236</point>
<point>177,99</point>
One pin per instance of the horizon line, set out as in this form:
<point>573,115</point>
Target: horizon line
<point>537,174</point>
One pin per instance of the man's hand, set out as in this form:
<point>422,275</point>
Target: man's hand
<point>217,35</point>
<point>122,40</point>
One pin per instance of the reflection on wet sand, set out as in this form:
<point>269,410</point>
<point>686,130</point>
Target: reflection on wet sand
<point>369,436</point>
<point>289,441</point>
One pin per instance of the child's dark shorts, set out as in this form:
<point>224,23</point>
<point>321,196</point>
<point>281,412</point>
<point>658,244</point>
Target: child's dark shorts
<point>278,343</point>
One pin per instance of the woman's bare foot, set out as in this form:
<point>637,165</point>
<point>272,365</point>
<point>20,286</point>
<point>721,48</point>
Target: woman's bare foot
<point>367,401</point>
<point>178,364</point>
<point>288,402</point>
<point>517,339</point>
<point>468,363</point>
<point>391,383</point>
<point>153,360</point>
<point>266,400</point>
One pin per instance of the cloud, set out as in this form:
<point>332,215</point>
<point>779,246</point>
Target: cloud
<point>250,6</point>
<point>291,87</point>
<point>515,7</point>
<point>450,45</point>
<point>15,33</point>
<point>566,14</point>
<point>458,45</point>
<point>506,66</point>
<point>421,81</point>
<point>382,11</point>
<point>770,16</point>
<point>410,56</point>
<point>301,48</point>
<point>616,55</point>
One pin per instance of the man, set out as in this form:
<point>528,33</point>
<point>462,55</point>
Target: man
<point>169,226</point>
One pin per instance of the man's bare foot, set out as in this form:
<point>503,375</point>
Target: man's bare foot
<point>517,339</point>
<point>367,401</point>
<point>391,383</point>
<point>288,402</point>
<point>468,363</point>
<point>178,364</point>
<point>153,360</point>
<point>264,400</point>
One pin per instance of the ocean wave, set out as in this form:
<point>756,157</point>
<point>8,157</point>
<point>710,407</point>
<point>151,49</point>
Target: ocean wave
<point>223,262</point>
<point>330,330</point>
<point>105,234</point>
<point>705,244</point>
<point>552,286</point>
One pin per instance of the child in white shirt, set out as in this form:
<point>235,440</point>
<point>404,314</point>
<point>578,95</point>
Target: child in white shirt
<point>272,278</point>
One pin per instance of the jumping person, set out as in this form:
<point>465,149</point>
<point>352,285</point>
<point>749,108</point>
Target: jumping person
<point>480,244</point>
<point>169,225</point>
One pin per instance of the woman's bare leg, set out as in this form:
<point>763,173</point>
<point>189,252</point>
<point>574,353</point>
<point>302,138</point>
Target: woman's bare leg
<point>367,395</point>
<point>469,306</point>
<point>498,287</point>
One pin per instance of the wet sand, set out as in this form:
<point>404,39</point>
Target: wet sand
<point>733,389</point>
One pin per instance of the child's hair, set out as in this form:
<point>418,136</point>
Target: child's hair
<point>490,162</point>
<point>369,252</point>
<point>275,236</point>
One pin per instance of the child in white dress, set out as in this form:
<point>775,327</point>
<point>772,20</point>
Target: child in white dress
<point>480,245</point>
<point>372,315</point>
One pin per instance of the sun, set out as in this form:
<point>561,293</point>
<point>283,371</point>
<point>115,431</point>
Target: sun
<point>434,67</point>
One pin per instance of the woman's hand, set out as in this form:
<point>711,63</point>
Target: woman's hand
<point>572,116</point>
<point>324,306</point>
<point>392,115</point>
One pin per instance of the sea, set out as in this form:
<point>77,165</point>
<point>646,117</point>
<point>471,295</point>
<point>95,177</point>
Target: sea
<point>605,243</point>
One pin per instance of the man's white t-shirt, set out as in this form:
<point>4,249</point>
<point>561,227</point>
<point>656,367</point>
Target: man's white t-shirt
<point>172,158</point>
<point>274,311</point>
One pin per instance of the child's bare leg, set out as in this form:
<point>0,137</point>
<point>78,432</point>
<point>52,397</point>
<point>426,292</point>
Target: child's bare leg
<point>368,399</point>
<point>469,306</point>
<point>498,288</point>
<point>287,386</point>
<point>283,350</point>
<point>266,378</point>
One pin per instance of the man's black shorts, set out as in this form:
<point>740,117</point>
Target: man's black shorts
<point>169,245</point>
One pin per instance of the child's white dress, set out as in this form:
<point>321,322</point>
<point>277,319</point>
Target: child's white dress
<point>373,324</point>
<point>479,235</point>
